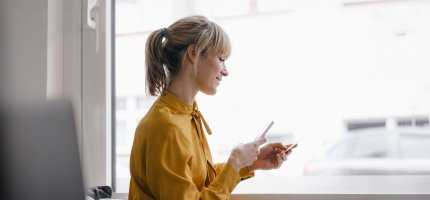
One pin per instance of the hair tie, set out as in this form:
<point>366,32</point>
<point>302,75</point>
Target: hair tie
<point>164,32</point>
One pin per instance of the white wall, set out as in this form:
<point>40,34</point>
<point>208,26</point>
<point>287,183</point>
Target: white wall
<point>23,33</point>
<point>55,64</point>
<point>45,53</point>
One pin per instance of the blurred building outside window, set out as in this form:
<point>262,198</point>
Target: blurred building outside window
<point>319,69</point>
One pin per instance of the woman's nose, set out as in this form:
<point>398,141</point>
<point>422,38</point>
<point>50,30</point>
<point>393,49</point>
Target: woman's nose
<point>224,72</point>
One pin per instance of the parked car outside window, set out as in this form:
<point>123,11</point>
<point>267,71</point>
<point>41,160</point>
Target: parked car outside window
<point>400,151</point>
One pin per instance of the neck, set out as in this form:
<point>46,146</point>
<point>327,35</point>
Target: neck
<point>183,87</point>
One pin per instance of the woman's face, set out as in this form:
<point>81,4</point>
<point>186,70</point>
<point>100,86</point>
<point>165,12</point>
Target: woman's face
<point>210,71</point>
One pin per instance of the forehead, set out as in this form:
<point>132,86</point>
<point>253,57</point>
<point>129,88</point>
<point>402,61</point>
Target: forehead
<point>219,54</point>
<point>222,48</point>
<point>210,57</point>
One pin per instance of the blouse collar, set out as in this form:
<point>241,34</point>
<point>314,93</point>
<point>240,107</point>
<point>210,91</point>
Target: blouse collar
<point>183,107</point>
<point>177,104</point>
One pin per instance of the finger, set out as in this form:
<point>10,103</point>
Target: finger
<point>284,156</point>
<point>289,151</point>
<point>278,151</point>
<point>278,145</point>
<point>278,161</point>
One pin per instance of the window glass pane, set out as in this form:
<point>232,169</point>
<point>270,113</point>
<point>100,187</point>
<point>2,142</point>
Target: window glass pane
<point>414,146</point>
<point>342,150</point>
<point>121,130</point>
<point>274,5</point>
<point>121,103</point>
<point>324,71</point>
<point>224,8</point>
<point>374,146</point>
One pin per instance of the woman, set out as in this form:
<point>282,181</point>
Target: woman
<point>170,157</point>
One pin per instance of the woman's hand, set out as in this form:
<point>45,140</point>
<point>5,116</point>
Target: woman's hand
<point>272,156</point>
<point>245,154</point>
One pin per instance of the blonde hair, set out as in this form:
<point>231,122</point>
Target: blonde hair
<point>165,49</point>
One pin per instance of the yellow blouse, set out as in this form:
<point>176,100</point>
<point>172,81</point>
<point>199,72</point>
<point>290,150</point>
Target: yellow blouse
<point>170,157</point>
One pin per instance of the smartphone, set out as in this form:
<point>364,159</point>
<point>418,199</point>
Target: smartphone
<point>263,135</point>
<point>294,144</point>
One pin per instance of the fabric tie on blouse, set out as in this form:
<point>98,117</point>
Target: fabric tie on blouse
<point>198,118</point>
<point>199,121</point>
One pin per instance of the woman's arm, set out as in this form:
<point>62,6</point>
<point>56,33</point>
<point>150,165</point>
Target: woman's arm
<point>169,176</point>
<point>245,173</point>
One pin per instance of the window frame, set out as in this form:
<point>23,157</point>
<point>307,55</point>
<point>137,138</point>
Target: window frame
<point>88,84</point>
<point>400,187</point>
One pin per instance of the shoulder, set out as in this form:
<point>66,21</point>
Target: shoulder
<point>163,134</point>
<point>162,122</point>
<point>159,118</point>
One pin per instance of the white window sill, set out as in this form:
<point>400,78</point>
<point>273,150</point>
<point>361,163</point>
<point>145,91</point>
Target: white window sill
<point>328,197</point>
<point>332,187</point>
<point>336,185</point>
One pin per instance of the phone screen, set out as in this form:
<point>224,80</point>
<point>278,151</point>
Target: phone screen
<point>263,135</point>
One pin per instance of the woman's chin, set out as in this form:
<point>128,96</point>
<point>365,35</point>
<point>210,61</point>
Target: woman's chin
<point>211,91</point>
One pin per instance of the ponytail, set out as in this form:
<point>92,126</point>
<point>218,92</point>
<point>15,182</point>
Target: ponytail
<point>156,76</point>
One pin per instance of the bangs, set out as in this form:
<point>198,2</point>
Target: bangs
<point>214,41</point>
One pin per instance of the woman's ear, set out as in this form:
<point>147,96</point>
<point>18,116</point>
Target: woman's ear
<point>191,53</point>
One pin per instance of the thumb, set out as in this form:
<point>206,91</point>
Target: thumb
<point>260,141</point>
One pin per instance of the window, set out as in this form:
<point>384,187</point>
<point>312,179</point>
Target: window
<point>308,68</point>
<point>144,102</point>
<point>374,146</point>
<point>342,150</point>
<point>121,103</point>
<point>414,146</point>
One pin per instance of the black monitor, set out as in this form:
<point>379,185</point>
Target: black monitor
<point>39,153</point>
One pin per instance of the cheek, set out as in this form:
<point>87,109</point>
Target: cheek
<point>202,77</point>
<point>209,72</point>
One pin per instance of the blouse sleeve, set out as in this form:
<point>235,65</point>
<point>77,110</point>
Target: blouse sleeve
<point>169,175</point>
<point>244,172</point>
